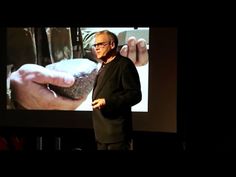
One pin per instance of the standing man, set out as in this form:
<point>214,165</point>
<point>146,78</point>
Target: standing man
<point>116,89</point>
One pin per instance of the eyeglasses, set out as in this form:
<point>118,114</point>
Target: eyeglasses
<point>100,44</point>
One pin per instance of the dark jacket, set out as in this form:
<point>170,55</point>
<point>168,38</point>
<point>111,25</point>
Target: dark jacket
<point>120,86</point>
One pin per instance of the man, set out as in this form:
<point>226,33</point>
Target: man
<point>117,88</point>
<point>29,50</point>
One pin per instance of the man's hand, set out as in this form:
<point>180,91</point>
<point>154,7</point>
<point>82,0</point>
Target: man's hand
<point>29,85</point>
<point>99,103</point>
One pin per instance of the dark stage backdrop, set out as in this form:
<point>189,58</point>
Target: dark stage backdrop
<point>162,94</point>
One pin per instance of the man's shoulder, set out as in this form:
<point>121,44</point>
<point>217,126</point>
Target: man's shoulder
<point>123,59</point>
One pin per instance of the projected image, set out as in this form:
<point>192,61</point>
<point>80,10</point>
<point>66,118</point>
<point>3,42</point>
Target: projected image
<point>48,60</point>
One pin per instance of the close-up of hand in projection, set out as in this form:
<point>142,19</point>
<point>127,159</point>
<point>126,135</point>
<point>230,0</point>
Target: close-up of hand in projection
<point>136,50</point>
<point>29,86</point>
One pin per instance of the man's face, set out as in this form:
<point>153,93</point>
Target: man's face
<point>103,46</point>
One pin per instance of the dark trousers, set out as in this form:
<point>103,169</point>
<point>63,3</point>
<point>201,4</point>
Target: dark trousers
<point>123,145</point>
